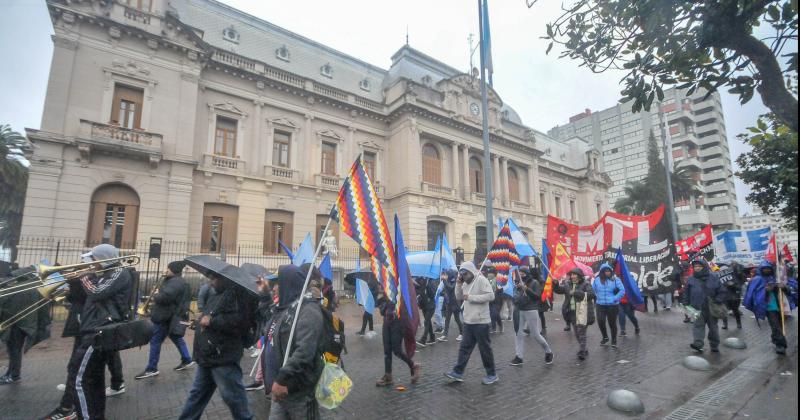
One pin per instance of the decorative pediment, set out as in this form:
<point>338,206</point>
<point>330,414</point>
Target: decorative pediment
<point>228,107</point>
<point>284,122</point>
<point>370,145</point>
<point>330,134</point>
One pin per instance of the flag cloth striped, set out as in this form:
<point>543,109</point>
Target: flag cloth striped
<point>386,281</point>
<point>359,213</point>
<point>503,256</point>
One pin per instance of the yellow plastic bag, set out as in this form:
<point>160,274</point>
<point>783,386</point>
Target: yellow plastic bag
<point>333,387</point>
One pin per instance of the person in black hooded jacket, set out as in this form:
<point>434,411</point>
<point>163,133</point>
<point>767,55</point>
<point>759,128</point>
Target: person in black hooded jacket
<point>218,348</point>
<point>170,307</point>
<point>703,286</point>
<point>292,384</point>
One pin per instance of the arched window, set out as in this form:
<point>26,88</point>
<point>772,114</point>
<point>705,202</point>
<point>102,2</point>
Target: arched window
<point>475,175</point>
<point>513,185</point>
<point>113,216</point>
<point>435,230</point>
<point>431,165</point>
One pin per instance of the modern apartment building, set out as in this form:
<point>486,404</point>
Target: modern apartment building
<point>698,142</point>
<point>192,121</point>
<point>758,220</point>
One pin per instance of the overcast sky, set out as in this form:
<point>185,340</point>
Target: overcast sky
<point>545,91</point>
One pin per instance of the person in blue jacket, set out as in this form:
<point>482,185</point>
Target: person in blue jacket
<point>609,291</point>
<point>762,298</point>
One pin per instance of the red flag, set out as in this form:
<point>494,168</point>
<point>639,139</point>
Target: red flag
<point>787,254</point>
<point>559,266</point>
<point>772,251</point>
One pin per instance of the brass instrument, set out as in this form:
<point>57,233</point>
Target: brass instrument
<point>56,290</point>
<point>144,310</point>
<point>67,272</point>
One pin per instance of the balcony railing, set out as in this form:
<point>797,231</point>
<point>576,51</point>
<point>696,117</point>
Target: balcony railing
<point>428,188</point>
<point>106,132</point>
<point>223,162</point>
<point>520,205</point>
<point>281,173</point>
<point>327,181</point>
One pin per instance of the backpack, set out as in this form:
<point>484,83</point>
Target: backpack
<point>333,341</point>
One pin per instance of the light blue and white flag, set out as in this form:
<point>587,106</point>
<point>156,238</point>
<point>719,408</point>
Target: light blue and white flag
<point>364,296</point>
<point>743,246</point>
<point>423,264</point>
<point>524,248</point>
<point>305,253</point>
<point>448,261</point>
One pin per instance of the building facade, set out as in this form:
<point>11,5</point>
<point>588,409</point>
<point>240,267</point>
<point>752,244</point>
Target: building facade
<point>192,121</point>
<point>698,142</point>
<point>784,236</point>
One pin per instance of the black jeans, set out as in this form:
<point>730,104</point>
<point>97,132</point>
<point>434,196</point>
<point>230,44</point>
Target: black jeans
<point>14,345</point>
<point>393,343</point>
<point>541,318</point>
<point>454,312</point>
<point>733,306</point>
<point>475,334</point>
<point>494,313</point>
<point>427,333</point>
<point>655,302</point>
<point>774,320</point>
<point>73,364</point>
<point>607,315</point>
<point>366,319</point>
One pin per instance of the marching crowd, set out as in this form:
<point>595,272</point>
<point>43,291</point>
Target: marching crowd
<point>296,329</point>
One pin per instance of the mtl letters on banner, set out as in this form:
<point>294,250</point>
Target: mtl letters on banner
<point>644,241</point>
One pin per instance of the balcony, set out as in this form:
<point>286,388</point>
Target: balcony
<point>331,182</point>
<point>716,175</point>
<point>224,164</point>
<point>714,163</point>
<point>433,189</point>
<point>717,187</point>
<point>717,201</point>
<point>713,151</point>
<point>688,162</point>
<point>118,140</point>
<point>693,217</point>
<point>280,173</point>
<point>723,217</point>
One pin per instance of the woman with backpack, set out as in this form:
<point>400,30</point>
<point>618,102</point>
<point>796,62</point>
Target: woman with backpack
<point>527,299</point>
<point>579,306</point>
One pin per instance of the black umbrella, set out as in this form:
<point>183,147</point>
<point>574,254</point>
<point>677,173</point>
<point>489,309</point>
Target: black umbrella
<point>208,265</point>
<point>255,270</point>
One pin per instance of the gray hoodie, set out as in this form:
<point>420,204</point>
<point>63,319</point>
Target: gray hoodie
<point>480,292</point>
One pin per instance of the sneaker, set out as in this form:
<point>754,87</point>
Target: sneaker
<point>613,344</point>
<point>548,358</point>
<point>696,348</point>
<point>454,376</point>
<point>255,386</point>
<point>724,326</point>
<point>581,355</point>
<point>604,342</point>
<point>567,328</point>
<point>147,374</point>
<point>431,342</point>
<point>637,331</point>
<point>623,333</point>
<point>7,379</point>
<point>61,414</point>
<point>493,331</point>
<point>111,391</point>
<point>489,379</point>
<point>420,344</point>
<point>516,361</point>
<point>780,350</point>
<point>668,309</point>
<point>443,338</point>
<point>686,320</point>
<point>184,365</point>
<point>61,387</point>
<point>543,332</point>
<point>360,333</point>
<point>714,350</point>
<point>438,330</point>
<point>460,337</point>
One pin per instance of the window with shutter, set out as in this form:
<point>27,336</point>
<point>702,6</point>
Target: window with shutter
<point>280,149</point>
<point>219,228</point>
<point>475,175</point>
<point>126,111</point>
<point>225,137</point>
<point>278,228</point>
<point>328,159</point>
<point>113,217</point>
<point>431,165</point>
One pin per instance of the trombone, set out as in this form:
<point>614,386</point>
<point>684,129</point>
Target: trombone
<point>56,290</point>
<point>66,272</point>
<point>144,310</point>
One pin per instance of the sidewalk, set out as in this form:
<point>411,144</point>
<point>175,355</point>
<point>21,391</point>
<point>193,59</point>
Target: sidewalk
<point>649,365</point>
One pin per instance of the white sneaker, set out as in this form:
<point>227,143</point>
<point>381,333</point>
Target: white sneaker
<point>61,387</point>
<point>459,338</point>
<point>110,392</point>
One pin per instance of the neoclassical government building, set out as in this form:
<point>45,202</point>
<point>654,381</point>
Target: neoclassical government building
<point>192,121</point>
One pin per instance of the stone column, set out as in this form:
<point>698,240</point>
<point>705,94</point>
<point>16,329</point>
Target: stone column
<point>455,183</point>
<point>269,145</point>
<point>255,165</point>
<point>530,189</point>
<point>312,164</point>
<point>349,154</point>
<point>504,182</point>
<point>467,190</point>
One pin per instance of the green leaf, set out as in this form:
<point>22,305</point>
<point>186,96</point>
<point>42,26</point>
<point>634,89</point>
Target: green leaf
<point>774,13</point>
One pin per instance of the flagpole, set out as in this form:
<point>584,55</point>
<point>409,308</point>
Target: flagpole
<point>487,168</point>
<point>303,292</point>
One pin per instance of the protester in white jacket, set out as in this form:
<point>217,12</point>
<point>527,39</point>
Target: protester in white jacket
<point>476,292</point>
